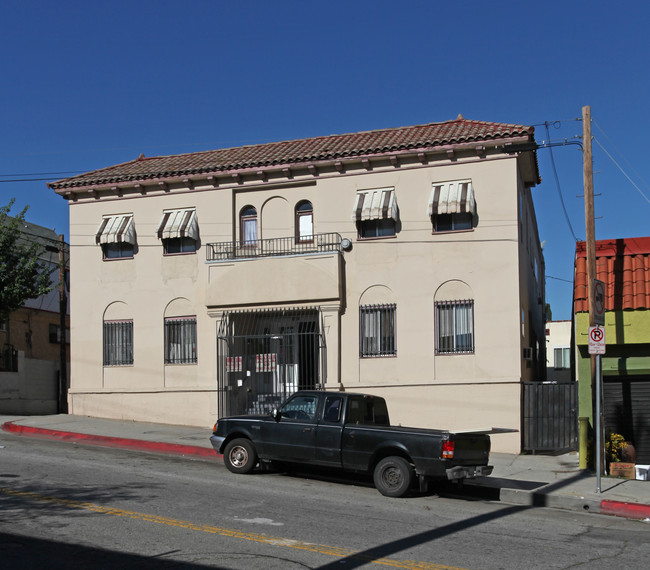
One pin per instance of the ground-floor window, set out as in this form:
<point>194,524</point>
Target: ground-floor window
<point>454,327</point>
<point>118,343</point>
<point>180,340</point>
<point>377,330</point>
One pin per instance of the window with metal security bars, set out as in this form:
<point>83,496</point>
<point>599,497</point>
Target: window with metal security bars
<point>377,330</point>
<point>180,340</point>
<point>455,327</point>
<point>562,357</point>
<point>118,343</point>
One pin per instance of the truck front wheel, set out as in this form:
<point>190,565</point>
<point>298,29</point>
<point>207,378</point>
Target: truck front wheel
<point>393,476</point>
<point>240,456</point>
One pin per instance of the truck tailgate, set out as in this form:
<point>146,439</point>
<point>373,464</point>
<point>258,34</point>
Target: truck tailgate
<point>471,448</point>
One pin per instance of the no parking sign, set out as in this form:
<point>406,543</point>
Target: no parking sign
<point>596,340</point>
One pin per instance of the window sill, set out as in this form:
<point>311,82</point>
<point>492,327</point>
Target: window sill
<point>455,353</point>
<point>444,232</point>
<point>165,254</point>
<point>374,238</point>
<point>375,356</point>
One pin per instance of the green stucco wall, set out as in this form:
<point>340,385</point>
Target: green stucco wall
<point>627,339</point>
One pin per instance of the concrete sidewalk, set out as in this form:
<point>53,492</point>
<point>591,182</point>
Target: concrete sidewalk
<point>533,480</point>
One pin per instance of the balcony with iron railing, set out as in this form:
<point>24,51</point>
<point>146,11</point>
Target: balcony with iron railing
<point>274,247</point>
<point>274,271</point>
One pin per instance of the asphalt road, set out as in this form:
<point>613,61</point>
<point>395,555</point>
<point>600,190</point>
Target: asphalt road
<point>64,505</point>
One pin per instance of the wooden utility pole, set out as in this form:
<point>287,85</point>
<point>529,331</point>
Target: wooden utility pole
<point>63,311</point>
<point>588,176</point>
<point>590,246</point>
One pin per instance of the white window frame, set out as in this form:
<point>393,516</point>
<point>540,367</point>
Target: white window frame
<point>565,358</point>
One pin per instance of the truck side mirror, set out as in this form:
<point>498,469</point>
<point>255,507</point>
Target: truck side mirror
<point>277,414</point>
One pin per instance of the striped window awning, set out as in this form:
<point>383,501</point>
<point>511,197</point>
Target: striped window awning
<point>116,229</point>
<point>378,204</point>
<point>455,197</point>
<point>179,224</point>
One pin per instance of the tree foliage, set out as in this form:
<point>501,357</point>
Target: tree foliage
<point>22,274</point>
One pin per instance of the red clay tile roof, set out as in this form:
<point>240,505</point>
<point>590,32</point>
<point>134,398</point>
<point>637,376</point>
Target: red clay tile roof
<point>299,151</point>
<point>624,266</point>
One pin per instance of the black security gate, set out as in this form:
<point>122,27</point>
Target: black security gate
<point>264,356</point>
<point>549,416</point>
<point>627,411</point>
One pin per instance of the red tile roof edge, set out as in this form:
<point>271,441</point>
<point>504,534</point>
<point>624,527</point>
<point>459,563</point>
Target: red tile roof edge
<point>457,131</point>
<point>623,265</point>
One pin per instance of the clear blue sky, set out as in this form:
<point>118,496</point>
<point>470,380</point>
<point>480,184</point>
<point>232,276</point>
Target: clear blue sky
<point>91,84</point>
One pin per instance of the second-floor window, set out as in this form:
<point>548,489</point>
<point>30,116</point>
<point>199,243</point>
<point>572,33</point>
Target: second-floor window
<point>375,213</point>
<point>179,231</point>
<point>377,330</point>
<point>116,235</point>
<point>452,206</point>
<point>55,334</point>
<point>304,222</point>
<point>562,357</point>
<point>248,226</point>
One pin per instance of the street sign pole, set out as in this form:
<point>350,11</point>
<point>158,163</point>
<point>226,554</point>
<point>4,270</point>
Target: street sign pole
<point>599,445</point>
<point>597,348</point>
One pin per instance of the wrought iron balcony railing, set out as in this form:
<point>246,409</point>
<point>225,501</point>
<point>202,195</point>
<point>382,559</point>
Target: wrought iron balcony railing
<point>276,247</point>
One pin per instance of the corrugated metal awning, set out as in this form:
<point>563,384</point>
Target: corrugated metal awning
<point>116,229</point>
<point>454,197</point>
<point>378,204</point>
<point>179,224</point>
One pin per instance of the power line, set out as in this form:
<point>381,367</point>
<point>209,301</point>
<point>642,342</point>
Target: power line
<point>558,279</point>
<point>557,184</point>
<point>620,153</point>
<point>44,173</point>
<point>25,179</point>
<point>619,167</point>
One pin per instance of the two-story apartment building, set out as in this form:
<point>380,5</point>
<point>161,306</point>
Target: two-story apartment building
<point>403,262</point>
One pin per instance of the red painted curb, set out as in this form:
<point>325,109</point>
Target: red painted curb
<point>627,510</point>
<point>106,441</point>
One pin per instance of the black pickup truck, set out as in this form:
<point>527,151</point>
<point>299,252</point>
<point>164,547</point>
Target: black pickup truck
<point>351,432</point>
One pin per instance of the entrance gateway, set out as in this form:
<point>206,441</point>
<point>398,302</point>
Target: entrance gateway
<point>264,356</point>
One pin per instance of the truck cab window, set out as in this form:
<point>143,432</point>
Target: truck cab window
<point>332,409</point>
<point>300,408</point>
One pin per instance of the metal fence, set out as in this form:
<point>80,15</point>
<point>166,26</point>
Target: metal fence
<point>8,359</point>
<point>550,416</point>
<point>264,356</point>
<point>318,243</point>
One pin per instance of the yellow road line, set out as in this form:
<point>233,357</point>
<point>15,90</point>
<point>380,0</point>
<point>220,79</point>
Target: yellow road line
<point>337,551</point>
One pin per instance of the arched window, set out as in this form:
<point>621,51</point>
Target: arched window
<point>248,226</point>
<point>304,222</point>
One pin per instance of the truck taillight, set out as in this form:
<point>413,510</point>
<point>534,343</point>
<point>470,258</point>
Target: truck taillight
<point>448,449</point>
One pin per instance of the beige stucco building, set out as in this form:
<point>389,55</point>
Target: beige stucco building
<point>401,262</point>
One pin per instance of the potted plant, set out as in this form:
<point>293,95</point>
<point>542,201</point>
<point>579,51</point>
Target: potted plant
<point>620,455</point>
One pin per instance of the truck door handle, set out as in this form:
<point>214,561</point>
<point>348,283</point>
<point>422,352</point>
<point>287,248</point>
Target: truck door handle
<point>307,429</point>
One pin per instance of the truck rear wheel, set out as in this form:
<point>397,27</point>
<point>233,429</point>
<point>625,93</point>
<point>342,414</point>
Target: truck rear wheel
<point>393,476</point>
<point>240,456</point>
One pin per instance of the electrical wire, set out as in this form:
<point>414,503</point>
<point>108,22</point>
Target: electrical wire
<point>558,279</point>
<point>623,171</point>
<point>557,184</point>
